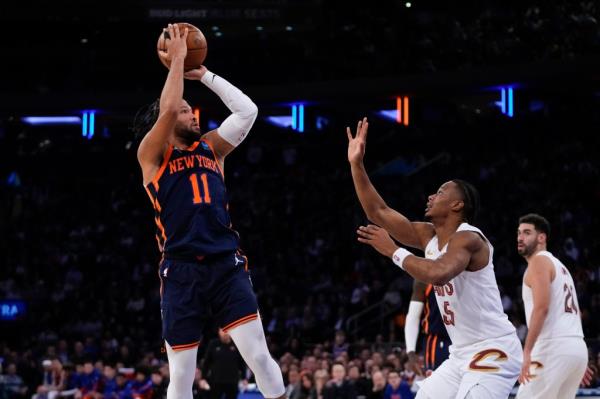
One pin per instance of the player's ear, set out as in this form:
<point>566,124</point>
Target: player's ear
<point>457,205</point>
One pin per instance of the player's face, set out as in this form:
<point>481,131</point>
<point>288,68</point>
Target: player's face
<point>439,204</point>
<point>187,125</point>
<point>527,239</point>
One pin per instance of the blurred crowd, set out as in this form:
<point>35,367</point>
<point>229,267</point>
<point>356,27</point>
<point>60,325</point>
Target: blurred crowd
<point>76,234</point>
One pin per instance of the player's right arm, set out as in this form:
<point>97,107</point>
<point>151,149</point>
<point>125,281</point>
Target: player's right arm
<point>412,234</point>
<point>152,147</point>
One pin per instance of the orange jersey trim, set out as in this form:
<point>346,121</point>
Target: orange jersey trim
<point>433,350</point>
<point>241,321</point>
<point>163,166</point>
<point>183,347</point>
<point>428,352</point>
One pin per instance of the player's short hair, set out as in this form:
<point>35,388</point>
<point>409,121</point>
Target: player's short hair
<point>540,223</point>
<point>470,199</point>
<point>145,118</point>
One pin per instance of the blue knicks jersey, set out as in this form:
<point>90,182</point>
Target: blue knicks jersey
<point>432,320</point>
<point>190,203</point>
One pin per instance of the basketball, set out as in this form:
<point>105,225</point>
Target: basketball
<point>196,47</point>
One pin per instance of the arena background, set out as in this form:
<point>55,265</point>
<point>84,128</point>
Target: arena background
<point>504,94</point>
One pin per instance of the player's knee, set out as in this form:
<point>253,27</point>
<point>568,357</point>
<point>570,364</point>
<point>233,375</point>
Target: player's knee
<point>180,375</point>
<point>261,360</point>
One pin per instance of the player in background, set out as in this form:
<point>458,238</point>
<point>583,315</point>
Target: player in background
<point>485,356</point>
<point>555,355</point>
<point>203,273</point>
<point>435,340</point>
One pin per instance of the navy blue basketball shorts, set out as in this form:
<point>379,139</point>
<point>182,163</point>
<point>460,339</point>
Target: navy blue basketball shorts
<point>436,351</point>
<point>192,292</point>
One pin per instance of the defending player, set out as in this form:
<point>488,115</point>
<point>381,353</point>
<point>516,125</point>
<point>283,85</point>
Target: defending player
<point>203,271</point>
<point>436,340</point>
<point>485,356</point>
<point>555,355</point>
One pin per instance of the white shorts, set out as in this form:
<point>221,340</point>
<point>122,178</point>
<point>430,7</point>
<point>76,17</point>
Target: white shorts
<point>493,364</point>
<point>558,366</point>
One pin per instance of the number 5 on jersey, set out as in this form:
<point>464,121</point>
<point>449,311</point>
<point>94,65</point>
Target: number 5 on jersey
<point>196,188</point>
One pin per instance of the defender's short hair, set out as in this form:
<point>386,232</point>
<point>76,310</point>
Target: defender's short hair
<point>540,223</point>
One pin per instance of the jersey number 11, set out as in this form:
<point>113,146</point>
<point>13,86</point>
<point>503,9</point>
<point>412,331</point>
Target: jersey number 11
<point>196,188</point>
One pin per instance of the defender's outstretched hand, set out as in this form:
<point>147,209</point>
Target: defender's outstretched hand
<point>378,238</point>
<point>357,144</point>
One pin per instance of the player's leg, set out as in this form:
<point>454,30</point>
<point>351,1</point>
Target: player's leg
<point>443,383</point>
<point>250,341</point>
<point>491,369</point>
<point>182,369</point>
<point>236,308</point>
<point>183,314</point>
<point>575,365</point>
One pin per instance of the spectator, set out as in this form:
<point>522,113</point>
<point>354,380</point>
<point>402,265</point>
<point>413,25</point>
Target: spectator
<point>223,367</point>
<point>339,387</point>
<point>396,387</point>
<point>11,384</point>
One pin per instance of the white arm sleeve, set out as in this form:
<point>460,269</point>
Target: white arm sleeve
<point>411,326</point>
<point>237,125</point>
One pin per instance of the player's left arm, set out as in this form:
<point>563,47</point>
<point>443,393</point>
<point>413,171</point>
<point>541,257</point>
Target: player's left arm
<point>539,278</point>
<point>236,126</point>
<point>461,247</point>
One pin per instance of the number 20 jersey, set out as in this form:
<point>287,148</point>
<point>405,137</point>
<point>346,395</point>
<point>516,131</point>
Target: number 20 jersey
<point>190,204</point>
<point>470,303</point>
<point>563,319</point>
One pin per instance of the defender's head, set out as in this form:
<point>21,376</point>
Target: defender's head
<point>532,234</point>
<point>455,197</point>
<point>186,129</point>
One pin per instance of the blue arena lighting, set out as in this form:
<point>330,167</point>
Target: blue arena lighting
<point>84,125</point>
<point>51,120</point>
<point>92,127</point>
<point>281,121</point>
<point>390,114</point>
<point>506,102</point>
<point>294,116</point>
<point>301,118</point>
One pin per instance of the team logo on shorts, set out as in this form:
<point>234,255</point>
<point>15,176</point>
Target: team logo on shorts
<point>238,260</point>
<point>499,356</point>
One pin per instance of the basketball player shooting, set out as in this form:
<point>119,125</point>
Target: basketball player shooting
<point>203,270</point>
<point>485,356</point>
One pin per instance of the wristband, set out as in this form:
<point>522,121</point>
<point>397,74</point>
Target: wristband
<point>398,257</point>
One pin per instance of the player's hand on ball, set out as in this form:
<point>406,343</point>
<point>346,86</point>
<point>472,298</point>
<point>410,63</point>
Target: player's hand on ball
<point>378,238</point>
<point>195,74</point>
<point>358,143</point>
<point>176,43</point>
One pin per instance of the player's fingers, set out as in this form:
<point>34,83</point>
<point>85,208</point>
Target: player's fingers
<point>364,240</point>
<point>348,133</point>
<point>358,125</point>
<point>176,31</point>
<point>185,34</point>
<point>363,234</point>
